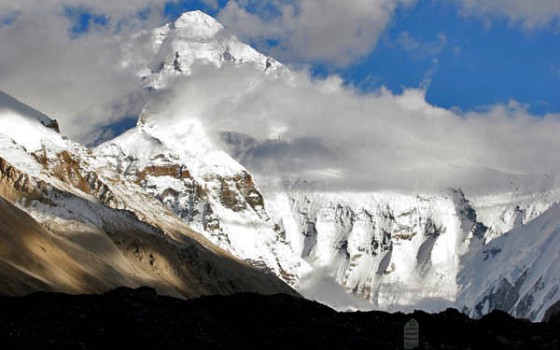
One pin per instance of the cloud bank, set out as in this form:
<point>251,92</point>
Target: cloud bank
<point>324,131</point>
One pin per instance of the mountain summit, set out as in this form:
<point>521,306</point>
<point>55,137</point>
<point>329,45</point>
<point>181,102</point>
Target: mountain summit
<point>198,39</point>
<point>197,25</point>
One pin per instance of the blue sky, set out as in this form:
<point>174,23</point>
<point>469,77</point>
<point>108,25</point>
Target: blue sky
<point>479,65</point>
<point>464,61</point>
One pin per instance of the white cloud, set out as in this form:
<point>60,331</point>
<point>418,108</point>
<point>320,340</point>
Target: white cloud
<point>530,14</point>
<point>360,140</point>
<point>213,4</point>
<point>321,286</point>
<point>326,31</point>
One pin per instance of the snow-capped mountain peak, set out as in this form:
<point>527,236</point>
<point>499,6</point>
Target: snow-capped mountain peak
<point>197,25</point>
<point>173,157</point>
<point>198,39</point>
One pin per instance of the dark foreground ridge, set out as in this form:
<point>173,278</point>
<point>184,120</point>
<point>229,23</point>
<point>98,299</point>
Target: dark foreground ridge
<point>141,319</point>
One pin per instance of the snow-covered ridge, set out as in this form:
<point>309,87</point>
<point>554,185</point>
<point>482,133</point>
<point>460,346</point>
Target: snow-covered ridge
<point>114,232</point>
<point>10,105</point>
<point>27,126</point>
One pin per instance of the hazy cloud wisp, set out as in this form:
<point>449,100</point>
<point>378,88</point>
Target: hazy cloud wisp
<point>78,79</point>
<point>530,14</point>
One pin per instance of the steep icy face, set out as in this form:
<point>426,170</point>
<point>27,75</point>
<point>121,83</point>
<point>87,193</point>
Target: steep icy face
<point>395,250</point>
<point>518,272</point>
<point>197,39</point>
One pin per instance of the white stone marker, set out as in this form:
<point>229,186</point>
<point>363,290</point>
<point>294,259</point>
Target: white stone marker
<point>411,334</point>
